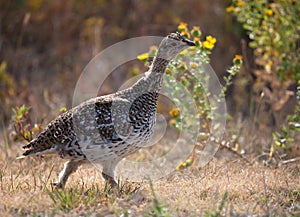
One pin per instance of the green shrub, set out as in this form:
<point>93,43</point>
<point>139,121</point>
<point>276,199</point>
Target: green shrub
<point>274,32</point>
<point>273,28</point>
<point>287,135</point>
<point>23,126</point>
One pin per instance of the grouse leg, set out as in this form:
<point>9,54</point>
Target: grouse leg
<point>108,172</point>
<point>69,167</point>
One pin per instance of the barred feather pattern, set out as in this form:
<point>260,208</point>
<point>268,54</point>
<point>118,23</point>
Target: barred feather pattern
<point>93,126</point>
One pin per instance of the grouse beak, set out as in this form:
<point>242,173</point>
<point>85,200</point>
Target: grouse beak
<point>189,42</point>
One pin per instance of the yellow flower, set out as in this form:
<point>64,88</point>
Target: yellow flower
<point>143,57</point>
<point>182,26</point>
<point>268,12</point>
<point>229,9</point>
<point>185,51</point>
<point>208,45</point>
<point>174,112</point>
<point>211,39</point>
<point>240,3</point>
<point>210,42</point>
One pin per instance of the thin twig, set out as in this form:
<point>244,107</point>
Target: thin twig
<point>293,160</point>
<point>226,146</point>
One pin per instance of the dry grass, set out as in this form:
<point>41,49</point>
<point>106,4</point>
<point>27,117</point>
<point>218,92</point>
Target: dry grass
<point>251,190</point>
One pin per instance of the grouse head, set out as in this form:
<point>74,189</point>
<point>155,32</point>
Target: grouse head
<point>172,45</point>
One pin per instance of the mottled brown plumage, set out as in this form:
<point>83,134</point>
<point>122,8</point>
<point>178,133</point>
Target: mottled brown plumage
<point>105,129</point>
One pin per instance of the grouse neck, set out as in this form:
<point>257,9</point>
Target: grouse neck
<point>159,65</point>
<point>151,82</point>
<point>153,79</point>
